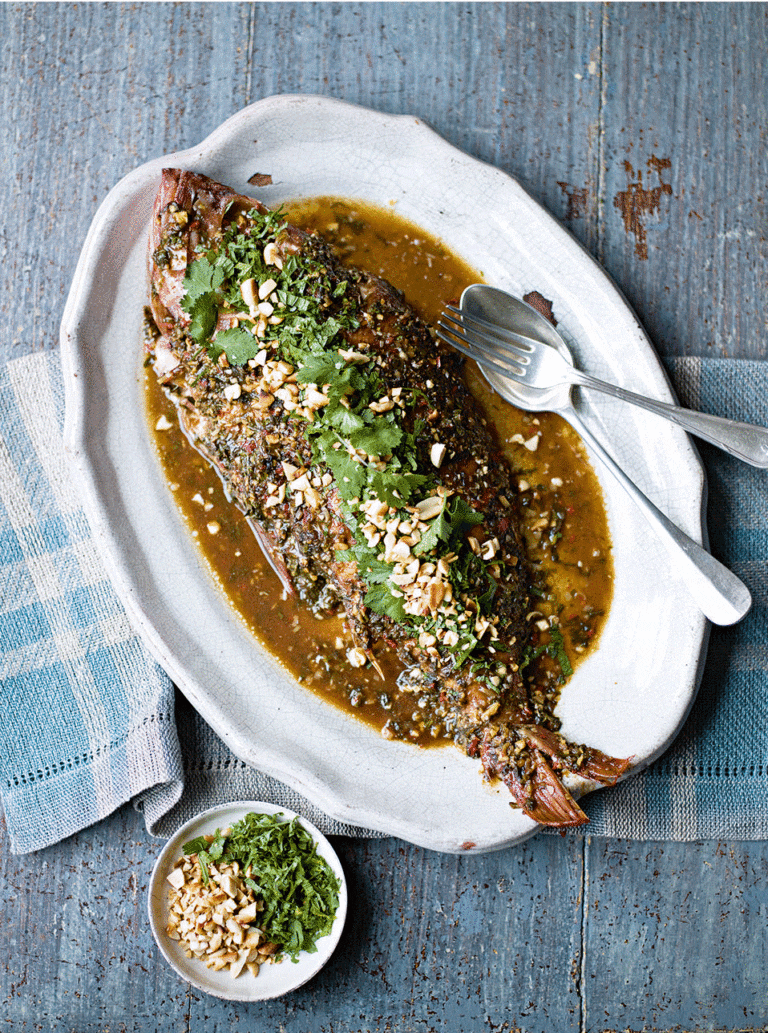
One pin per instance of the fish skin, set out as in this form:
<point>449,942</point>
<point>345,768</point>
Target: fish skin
<point>247,445</point>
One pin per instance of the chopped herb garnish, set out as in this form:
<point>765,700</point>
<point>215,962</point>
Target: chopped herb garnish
<point>297,886</point>
<point>358,430</point>
<point>554,649</point>
<point>206,852</point>
<point>557,651</point>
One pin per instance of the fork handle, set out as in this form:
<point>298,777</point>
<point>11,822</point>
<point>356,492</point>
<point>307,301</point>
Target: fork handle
<point>743,440</point>
<point>720,595</point>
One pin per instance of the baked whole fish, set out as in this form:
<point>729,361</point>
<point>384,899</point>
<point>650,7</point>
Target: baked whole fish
<point>345,433</point>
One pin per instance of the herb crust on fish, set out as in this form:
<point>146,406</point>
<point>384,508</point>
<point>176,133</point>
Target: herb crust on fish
<point>345,434</point>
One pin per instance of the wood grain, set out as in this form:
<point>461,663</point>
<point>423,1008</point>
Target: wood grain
<point>686,101</point>
<point>642,127</point>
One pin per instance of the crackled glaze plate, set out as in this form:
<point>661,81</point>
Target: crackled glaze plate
<point>629,698</point>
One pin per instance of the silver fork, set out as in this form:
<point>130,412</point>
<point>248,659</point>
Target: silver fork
<point>535,364</point>
<point>717,591</point>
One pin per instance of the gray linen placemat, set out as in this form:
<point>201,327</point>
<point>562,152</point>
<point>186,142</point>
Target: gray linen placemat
<point>91,721</point>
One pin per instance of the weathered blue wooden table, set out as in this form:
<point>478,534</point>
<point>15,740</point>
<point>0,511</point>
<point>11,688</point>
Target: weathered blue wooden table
<point>643,127</point>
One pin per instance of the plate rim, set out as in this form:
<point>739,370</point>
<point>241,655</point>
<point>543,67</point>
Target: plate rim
<point>75,432</point>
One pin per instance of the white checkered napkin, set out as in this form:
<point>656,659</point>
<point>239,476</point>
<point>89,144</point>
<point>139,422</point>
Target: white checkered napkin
<point>88,717</point>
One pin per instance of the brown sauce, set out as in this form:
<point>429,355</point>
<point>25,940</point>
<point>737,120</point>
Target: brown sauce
<point>564,518</point>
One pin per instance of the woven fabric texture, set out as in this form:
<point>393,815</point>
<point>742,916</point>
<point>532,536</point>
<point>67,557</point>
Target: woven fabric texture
<point>91,721</point>
<point>88,719</point>
<point>213,775</point>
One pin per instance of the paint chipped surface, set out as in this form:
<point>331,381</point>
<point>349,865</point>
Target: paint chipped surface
<point>578,200</point>
<point>639,201</point>
<point>542,305</point>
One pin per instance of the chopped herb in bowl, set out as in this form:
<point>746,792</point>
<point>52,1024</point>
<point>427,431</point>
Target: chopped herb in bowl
<point>299,890</point>
<point>252,894</point>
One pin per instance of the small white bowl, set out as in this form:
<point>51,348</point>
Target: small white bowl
<point>272,980</point>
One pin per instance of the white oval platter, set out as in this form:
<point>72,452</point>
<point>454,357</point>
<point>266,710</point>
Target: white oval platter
<point>629,698</point>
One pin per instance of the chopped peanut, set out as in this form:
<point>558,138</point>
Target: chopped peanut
<point>217,922</point>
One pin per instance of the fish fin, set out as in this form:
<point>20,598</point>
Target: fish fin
<point>272,556</point>
<point>597,766</point>
<point>543,798</point>
<point>551,803</point>
<point>604,769</point>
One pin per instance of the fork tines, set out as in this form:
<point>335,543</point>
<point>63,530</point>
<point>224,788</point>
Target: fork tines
<point>511,340</point>
<point>482,342</point>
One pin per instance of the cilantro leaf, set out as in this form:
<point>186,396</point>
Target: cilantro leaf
<point>556,649</point>
<point>202,277</point>
<point>346,382</point>
<point>204,313</point>
<point>449,526</point>
<point>394,487</point>
<point>320,335</point>
<point>463,518</point>
<point>201,299</point>
<point>350,476</point>
<point>375,571</point>
<point>439,531</point>
<point>238,343</point>
<point>378,439</point>
<point>320,369</point>
<point>344,420</point>
<point>294,302</point>
<point>379,598</point>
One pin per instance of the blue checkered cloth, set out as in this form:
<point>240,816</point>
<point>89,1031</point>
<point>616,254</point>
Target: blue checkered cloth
<point>90,721</point>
